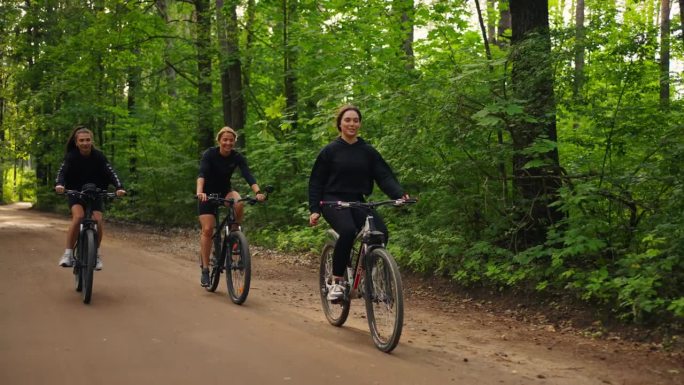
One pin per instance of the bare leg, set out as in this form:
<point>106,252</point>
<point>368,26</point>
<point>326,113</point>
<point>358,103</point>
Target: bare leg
<point>239,207</point>
<point>207,223</point>
<point>97,216</point>
<point>77,214</point>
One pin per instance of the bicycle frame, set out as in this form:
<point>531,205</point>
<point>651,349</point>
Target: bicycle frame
<point>370,238</point>
<point>85,261</point>
<point>228,220</point>
<point>89,196</point>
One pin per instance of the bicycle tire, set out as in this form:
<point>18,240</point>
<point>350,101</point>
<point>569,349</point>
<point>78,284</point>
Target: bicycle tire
<point>87,268</point>
<point>78,276</point>
<point>384,299</point>
<point>335,312</point>
<point>238,264</point>
<point>216,262</point>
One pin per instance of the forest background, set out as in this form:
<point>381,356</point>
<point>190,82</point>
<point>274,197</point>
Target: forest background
<point>543,138</point>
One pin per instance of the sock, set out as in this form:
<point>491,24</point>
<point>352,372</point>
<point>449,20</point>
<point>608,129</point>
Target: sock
<point>69,251</point>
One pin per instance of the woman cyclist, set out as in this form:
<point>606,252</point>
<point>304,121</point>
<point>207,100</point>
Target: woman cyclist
<point>83,164</point>
<point>345,170</point>
<point>216,169</point>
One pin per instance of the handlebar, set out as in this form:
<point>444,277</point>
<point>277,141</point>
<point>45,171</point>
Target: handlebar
<point>91,192</point>
<point>368,205</point>
<point>217,199</point>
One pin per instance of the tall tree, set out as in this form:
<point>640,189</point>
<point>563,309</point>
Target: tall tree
<point>681,19</point>
<point>579,49</point>
<point>169,71</point>
<point>232,95</point>
<point>504,20</point>
<point>290,60</point>
<point>664,54</point>
<point>491,20</point>
<point>535,161</point>
<point>405,10</point>
<point>205,131</point>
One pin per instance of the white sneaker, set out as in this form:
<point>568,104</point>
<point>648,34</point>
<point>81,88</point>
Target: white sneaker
<point>98,264</point>
<point>335,292</point>
<point>66,261</point>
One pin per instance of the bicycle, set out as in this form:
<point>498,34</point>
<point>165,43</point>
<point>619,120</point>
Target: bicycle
<point>85,250</point>
<point>371,274</point>
<point>228,239</point>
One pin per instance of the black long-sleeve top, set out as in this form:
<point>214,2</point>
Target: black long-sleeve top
<point>217,170</point>
<point>350,169</point>
<point>77,170</point>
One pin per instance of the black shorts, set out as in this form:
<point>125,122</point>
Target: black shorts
<point>98,204</point>
<point>206,208</point>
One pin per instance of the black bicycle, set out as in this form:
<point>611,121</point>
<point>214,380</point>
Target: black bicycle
<point>372,274</point>
<point>85,250</point>
<point>230,250</point>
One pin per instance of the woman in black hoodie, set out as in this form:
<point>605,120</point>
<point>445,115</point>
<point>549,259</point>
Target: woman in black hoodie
<point>345,170</point>
<point>83,163</point>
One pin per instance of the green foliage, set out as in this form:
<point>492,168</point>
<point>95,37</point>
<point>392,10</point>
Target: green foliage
<point>443,123</point>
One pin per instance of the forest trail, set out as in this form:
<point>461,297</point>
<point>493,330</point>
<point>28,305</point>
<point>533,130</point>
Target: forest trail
<point>151,322</point>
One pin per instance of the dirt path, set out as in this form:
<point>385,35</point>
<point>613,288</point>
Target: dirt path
<point>151,322</point>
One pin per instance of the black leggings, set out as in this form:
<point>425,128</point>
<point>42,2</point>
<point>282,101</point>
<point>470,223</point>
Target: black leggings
<point>347,223</point>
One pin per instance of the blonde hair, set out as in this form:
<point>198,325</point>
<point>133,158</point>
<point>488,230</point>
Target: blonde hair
<point>223,131</point>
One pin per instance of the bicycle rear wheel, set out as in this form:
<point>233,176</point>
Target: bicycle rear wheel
<point>238,264</point>
<point>335,311</point>
<point>384,299</point>
<point>88,264</point>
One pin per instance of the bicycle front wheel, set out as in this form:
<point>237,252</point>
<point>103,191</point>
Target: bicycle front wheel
<point>238,267</point>
<point>78,271</point>
<point>89,254</point>
<point>336,312</point>
<point>216,263</point>
<point>384,299</point>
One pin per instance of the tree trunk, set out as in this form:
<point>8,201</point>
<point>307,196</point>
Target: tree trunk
<point>134,73</point>
<point>231,68</point>
<point>168,47</point>
<point>205,131</point>
<point>3,145</point>
<point>664,54</point>
<point>249,25</point>
<point>681,18</point>
<point>579,49</point>
<point>406,11</point>
<point>491,21</point>
<point>2,136</point>
<point>504,21</point>
<point>536,183</point>
<point>289,61</point>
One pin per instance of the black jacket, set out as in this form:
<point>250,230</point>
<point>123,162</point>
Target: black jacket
<point>350,169</point>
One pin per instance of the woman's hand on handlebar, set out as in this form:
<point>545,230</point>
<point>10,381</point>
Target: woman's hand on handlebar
<point>202,197</point>
<point>59,189</point>
<point>120,192</point>
<point>313,218</point>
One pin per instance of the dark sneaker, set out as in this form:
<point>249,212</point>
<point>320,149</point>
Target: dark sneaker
<point>205,278</point>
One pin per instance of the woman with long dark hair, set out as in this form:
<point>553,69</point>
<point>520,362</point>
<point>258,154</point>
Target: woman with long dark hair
<point>83,163</point>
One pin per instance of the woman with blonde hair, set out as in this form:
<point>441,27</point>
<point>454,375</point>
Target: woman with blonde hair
<point>216,169</point>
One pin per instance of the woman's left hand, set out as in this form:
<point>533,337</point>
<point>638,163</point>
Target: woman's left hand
<point>261,197</point>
